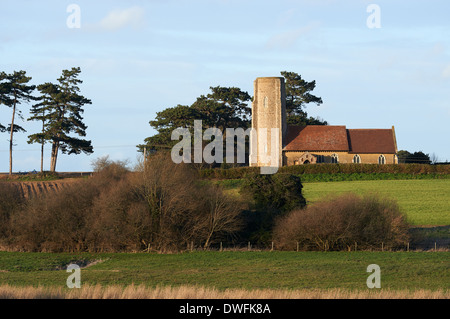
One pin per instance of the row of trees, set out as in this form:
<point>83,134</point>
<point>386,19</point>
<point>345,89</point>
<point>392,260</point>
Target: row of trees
<point>58,106</point>
<point>228,107</point>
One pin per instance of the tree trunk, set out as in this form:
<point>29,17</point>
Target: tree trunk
<point>42,143</point>
<point>42,157</point>
<point>55,148</point>
<point>11,139</point>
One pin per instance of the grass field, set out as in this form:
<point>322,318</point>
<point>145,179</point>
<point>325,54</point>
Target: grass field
<point>424,201</point>
<point>246,274</point>
<point>246,270</point>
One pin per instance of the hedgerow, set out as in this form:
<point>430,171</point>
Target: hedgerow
<point>369,171</point>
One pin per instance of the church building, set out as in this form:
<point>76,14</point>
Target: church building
<point>311,144</point>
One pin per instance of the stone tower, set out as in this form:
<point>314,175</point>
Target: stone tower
<point>269,121</point>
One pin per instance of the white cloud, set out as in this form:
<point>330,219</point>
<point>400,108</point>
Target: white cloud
<point>118,19</point>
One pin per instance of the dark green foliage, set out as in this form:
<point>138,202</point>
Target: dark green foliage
<point>222,108</point>
<point>298,95</point>
<point>271,197</point>
<point>416,157</point>
<point>60,110</point>
<point>281,192</point>
<point>14,90</point>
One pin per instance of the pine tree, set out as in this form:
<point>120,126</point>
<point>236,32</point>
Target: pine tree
<point>60,111</point>
<point>38,113</point>
<point>14,91</point>
<point>298,94</point>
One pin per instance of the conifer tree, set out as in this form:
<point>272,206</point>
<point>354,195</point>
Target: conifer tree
<point>14,90</point>
<point>60,110</point>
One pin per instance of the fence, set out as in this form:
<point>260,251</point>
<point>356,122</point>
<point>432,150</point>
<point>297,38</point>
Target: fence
<point>429,245</point>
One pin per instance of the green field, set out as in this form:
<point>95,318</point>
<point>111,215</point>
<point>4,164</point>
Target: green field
<point>425,202</point>
<point>234,269</point>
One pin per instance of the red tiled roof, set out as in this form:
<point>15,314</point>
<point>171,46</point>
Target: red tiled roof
<point>316,138</point>
<point>371,141</point>
<point>338,138</point>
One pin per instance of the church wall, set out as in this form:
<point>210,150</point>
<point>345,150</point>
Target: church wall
<point>290,157</point>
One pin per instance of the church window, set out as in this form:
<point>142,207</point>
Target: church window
<point>381,159</point>
<point>334,158</point>
<point>266,101</point>
<point>356,159</point>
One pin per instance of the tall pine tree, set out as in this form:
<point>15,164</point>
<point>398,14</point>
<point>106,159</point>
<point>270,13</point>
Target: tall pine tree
<point>60,110</point>
<point>298,94</point>
<point>14,90</point>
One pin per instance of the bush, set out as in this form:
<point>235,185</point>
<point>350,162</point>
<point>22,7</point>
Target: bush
<point>270,196</point>
<point>10,201</point>
<point>339,223</point>
<point>161,206</point>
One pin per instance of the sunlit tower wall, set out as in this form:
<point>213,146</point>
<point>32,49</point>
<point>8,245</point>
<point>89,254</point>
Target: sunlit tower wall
<point>268,112</point>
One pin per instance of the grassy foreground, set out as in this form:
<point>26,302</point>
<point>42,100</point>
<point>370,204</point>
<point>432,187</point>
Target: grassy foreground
<point>195,292</point>
<point>246,270</point>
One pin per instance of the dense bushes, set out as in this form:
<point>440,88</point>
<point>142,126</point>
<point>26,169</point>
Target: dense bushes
<point>160,206</point>
<point>343,222</point>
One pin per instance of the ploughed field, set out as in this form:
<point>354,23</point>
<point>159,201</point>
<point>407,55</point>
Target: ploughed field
<point>30,189</point>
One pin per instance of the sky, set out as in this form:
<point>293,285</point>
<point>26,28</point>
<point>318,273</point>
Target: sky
<point>376,64</point>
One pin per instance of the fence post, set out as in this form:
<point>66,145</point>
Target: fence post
<point>356,246</point>
<point>272,247</point>
<point>220,246</point>
<point>382,246</point>
<point>248,246</point>
<point>435,246</point>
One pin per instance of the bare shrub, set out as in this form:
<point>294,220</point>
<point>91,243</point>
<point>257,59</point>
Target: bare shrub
<point>161,206</point>
<point>339,223</point>
<point>10,200</point>
<point>219,215</point>
<point>55,221</point>
<point>182,210</point>
<point>119,219</point>
<point>61,221</point>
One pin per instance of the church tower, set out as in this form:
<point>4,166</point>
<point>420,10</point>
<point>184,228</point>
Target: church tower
<point>268,121</point>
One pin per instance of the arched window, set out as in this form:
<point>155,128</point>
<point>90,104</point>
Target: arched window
<point>356,159</point>
<point>381,159</point>
<point>334,158</point>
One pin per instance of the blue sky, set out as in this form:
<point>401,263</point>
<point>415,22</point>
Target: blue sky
<point>140,57</point>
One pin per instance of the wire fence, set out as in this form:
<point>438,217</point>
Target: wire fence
<point>427,245</point>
